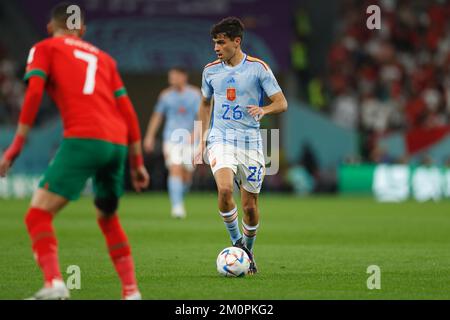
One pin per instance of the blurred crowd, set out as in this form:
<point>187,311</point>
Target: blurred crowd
<point>11,89</point>
<point>395,78</point>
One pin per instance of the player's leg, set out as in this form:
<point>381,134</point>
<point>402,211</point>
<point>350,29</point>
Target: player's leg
<point>227,207</point>
<point>187,180</point>
<point>173,155</point>
<point>250,174</point>
<point>188,167</point>
<point>223,163</point>
<point>250,221</point>
<point>118,246</point>
<point>63,181</point>
<point>175,187</point>
<point>250,224</point>
<point>180,178</point>
<point>39,221</point>
<point>108,187</point>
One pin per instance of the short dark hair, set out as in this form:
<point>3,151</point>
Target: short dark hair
<point>231,27</point>
<point>179,69</point>
<point>60,15</point>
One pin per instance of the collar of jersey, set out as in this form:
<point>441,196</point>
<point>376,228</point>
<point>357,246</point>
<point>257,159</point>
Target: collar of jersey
<point>236,66</point>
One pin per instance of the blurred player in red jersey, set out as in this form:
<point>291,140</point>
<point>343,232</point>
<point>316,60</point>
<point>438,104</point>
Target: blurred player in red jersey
<point>100,130</point>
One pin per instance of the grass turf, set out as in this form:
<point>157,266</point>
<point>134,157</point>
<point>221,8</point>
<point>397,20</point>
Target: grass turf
<point>307,248</point>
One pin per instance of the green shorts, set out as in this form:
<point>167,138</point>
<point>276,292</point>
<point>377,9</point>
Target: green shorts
<point>77,160</point>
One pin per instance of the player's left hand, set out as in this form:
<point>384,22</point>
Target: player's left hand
<point>256,112</point>
<point>140,178</point>
<point>198,154</point>
<point>5,165</point>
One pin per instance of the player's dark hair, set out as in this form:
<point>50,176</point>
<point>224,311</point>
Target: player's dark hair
<point>60,15</point>
<point>179,69</point>
<point>231,27</point>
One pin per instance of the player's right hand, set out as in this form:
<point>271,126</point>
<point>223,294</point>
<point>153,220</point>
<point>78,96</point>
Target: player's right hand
<point>140,178</point>
<point>149,144</point>
<point>5,165</point>
<point>198,154</point>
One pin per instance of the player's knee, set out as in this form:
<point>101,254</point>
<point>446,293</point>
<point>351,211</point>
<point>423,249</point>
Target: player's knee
<point>37,216</point>
<point>30,219</point>
<point>176,171</point>
<point>250,209</point>
<point>225,192</point>
<point>107,206</point>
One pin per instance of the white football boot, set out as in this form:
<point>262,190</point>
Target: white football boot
<point>57,291</point>
<point>179,212</point>
<point>133,296</point>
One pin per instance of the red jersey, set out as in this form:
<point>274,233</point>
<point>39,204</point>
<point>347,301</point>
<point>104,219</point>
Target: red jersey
<point>84,83</point>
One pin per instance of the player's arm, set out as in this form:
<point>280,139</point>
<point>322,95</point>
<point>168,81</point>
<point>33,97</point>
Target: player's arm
<point>278,105</point>
<point>204,117</point>
<point>270,86</point>
<point>33,96</point>
<point>139,175</point>
<point>134,135</point>
<point>153,126</point>
<point>197,131</point>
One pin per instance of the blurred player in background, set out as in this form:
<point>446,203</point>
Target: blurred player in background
<point>100,128</point>
<point>178,104</point>
<point>236,82</point>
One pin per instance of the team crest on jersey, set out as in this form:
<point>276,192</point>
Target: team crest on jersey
<point>231,94</point>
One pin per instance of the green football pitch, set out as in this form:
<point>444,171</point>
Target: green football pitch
<point>307,248</point>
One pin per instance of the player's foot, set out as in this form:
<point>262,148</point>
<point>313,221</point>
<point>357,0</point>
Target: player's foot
<point>56,291</point>
<point>252,269</point>
<point>240,244</point>
<point>134,296</point>
<point>179,212</point>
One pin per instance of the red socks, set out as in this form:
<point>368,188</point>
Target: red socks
<point>120,253</point>
<point>44,243</point>
<point>45,247</point>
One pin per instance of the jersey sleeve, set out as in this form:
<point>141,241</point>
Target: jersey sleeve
<point>268,81</point>
<point>198,99</point>
<point>39,61</point>
<point>207,89</point>
<point>125,106</point>
<point>161,105</point>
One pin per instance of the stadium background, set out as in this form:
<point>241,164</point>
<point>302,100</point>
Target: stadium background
<point>357,97</point>
<point>318,54</point>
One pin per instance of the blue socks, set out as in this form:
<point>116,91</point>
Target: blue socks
<point>176,190</point>
<point>232,224</point>
<point>249,235</point>
<point>186,187</point>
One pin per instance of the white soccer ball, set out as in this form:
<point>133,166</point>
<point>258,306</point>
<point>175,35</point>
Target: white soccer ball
<point>233,262</point>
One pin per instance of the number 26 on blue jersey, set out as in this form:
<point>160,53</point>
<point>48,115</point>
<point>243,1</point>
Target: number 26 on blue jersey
<point>231,113</point>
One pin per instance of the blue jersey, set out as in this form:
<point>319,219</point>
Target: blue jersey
<point>233,89</point>
<point>179,109</point>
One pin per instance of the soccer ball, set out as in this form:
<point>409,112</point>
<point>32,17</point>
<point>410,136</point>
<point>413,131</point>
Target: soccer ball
<point>233,262</point>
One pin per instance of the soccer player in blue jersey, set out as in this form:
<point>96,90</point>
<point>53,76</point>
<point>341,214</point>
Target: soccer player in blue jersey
<point>235,84</point>
<point>178,104</point>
